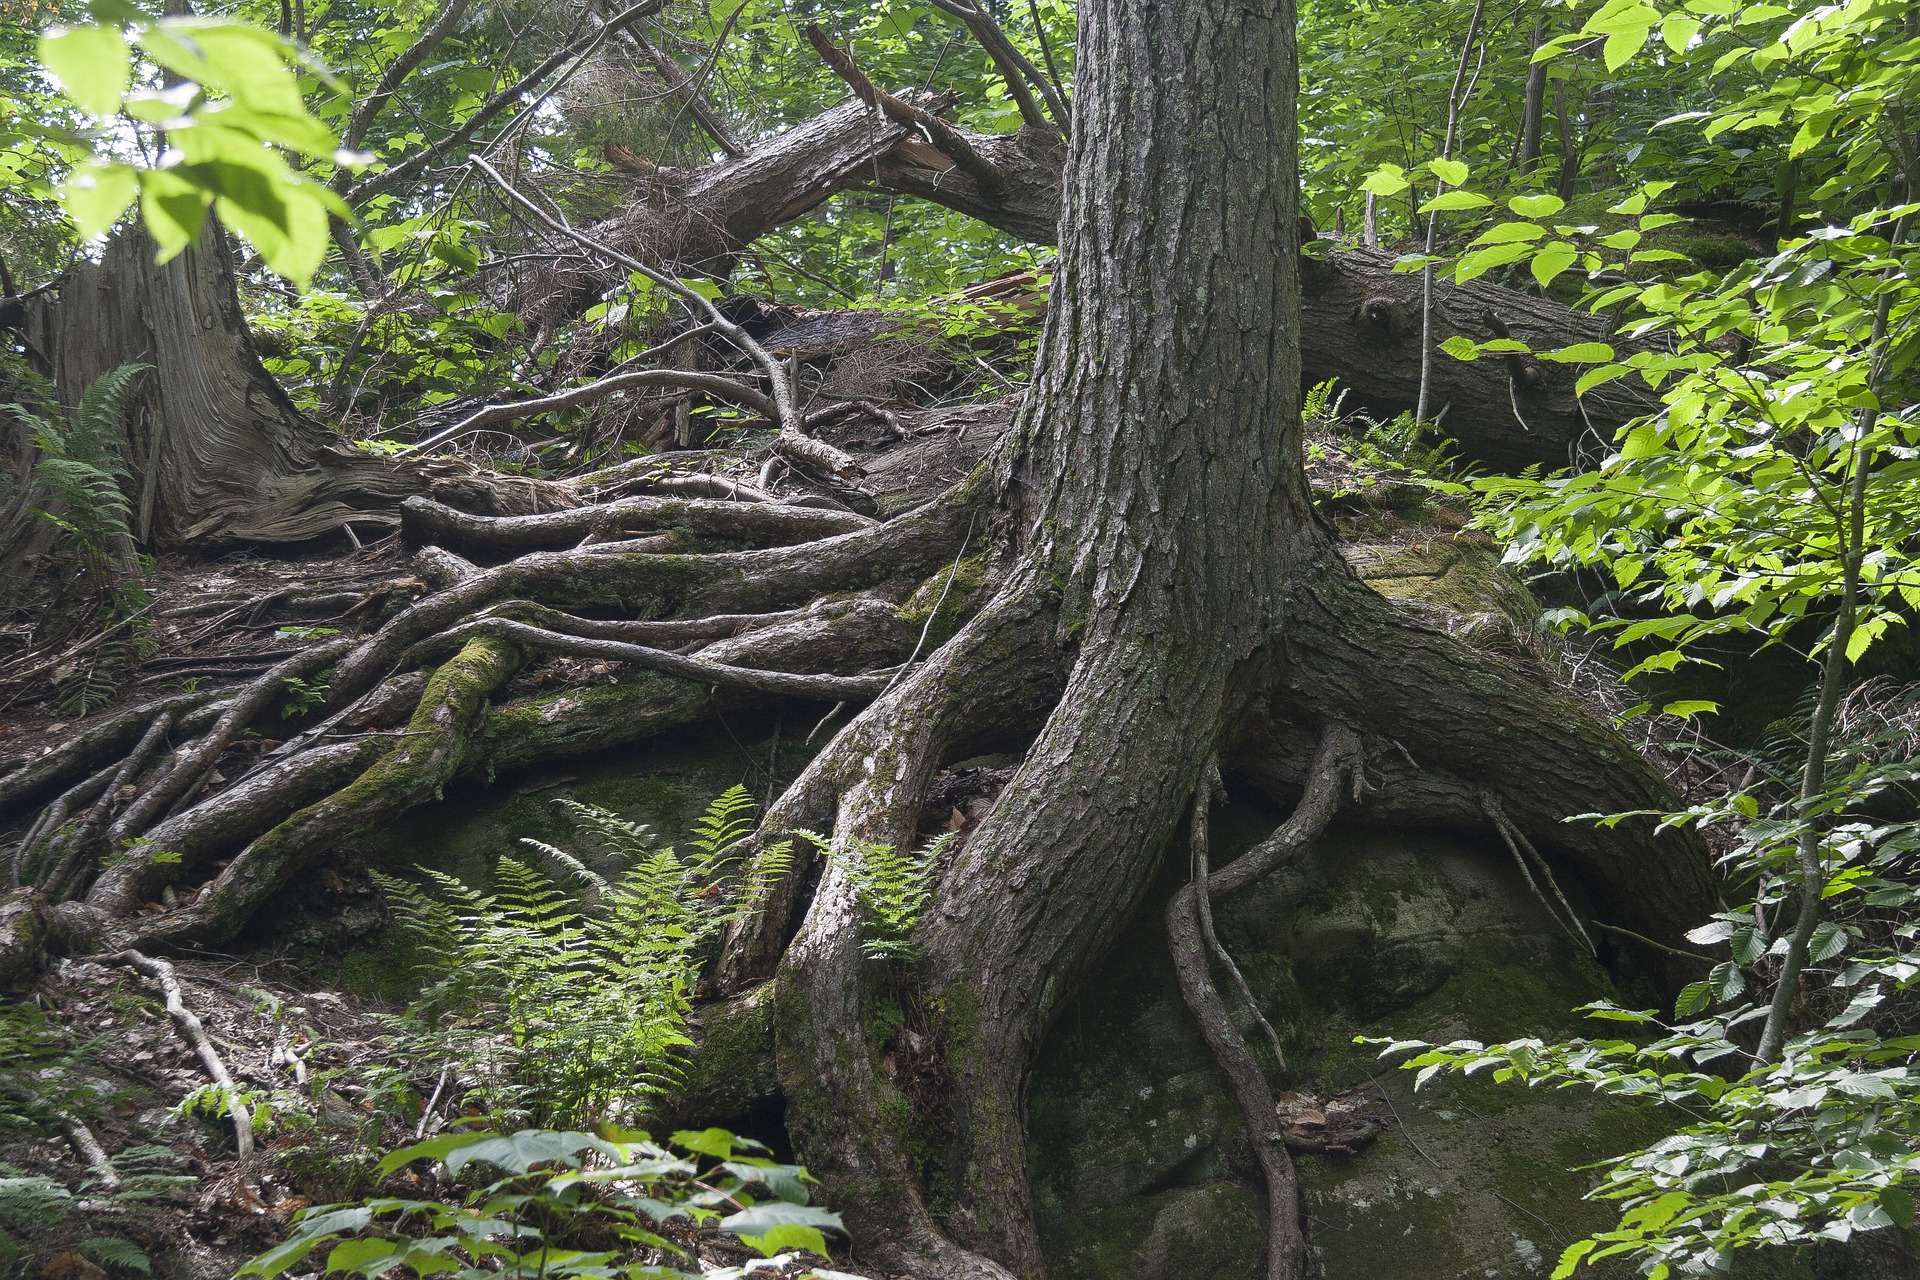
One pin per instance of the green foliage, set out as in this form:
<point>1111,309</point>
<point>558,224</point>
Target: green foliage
<point>893,889</point>
<point>556,1008</point>
<point>82,469</point>
<point>234,106</point>
<point>567,1204</point>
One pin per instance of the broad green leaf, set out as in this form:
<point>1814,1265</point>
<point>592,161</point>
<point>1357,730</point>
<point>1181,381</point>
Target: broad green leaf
<point>1510,232</point>
<point>1387,180</point>
<point>96,195</point>
<point>1448,201</point>
<point>1539,206</point>
<point>1580,353</point>
<point>174,208</point>
<point>1451,172</point>
<point>1461,348</point>
<point>1694,998</point>
<point>762,1218</point>
<point>1727,981</point>
<point>92,63</point>
<point>1481,261</point>
<point>1689,707</point>
<point>1551,261</point>
<point>1679,32</point>
<point>1622,45</point>
<point>787,1235</point>
<point>1598,377</point>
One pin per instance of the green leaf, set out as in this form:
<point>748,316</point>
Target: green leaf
<point>95,196</point>
<point>92,63</point>
<point>1727,981</point>
<point>1580,353</point>
<point>1570,1260</point>
<point>788,1235</point>
<point>351,1255</point>
<point>1689,708</point>
<point>1551,261</point>
<point>1897,1205</point>
<point>1622,45</point>
<point>1598,377</point>
<point>1451,172</point>
<point>1448,201</point>
<point>1461,348</point>
<point>1539,206</point>
<point>1694,998</point>
<point>174,209</point>
<point>1387,180</point>
<point>763,1218</point>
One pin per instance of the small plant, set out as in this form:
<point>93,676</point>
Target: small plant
<point>552,1008</point>
<point>304,695</point>
<point>569,1204</point>
<point>893,889</point>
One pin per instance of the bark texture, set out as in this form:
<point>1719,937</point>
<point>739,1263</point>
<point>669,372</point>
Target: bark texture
<point>218,452</point>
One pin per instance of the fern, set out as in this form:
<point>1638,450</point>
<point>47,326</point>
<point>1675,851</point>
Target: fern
<point>584,1000</point>
<point>116,1251</point>
<point>82,469</point>
<point>893,889</point>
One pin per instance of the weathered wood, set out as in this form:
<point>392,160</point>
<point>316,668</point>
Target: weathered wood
<point>218,452</point>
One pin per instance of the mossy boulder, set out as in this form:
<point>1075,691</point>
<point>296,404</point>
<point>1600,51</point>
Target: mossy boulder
<point>1141,1170</point>
<point>1457,584</point>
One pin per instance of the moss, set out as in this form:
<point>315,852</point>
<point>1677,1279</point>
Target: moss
<point>944,602</point>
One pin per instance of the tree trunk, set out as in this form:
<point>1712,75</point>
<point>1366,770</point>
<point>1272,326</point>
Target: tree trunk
<point>218,452</point>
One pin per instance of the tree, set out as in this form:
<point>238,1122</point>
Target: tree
<point>1157,600</point>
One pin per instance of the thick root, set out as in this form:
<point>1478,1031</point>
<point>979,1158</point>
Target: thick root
<point>1189,934</point>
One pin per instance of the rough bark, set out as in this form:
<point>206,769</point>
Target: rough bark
<point>218,452</point>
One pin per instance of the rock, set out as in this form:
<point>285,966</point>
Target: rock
<point>1141,1171</point>
<point>1460,586</point>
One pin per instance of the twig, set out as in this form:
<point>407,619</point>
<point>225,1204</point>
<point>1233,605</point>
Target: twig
<point>1658,946</point>
<point>191,1030</point>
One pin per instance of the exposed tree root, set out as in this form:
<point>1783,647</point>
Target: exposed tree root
<point>1335,762</point>
<point>187,1023</point>
<point>759,523</point>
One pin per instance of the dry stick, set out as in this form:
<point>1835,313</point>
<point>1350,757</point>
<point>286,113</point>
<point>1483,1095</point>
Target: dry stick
<point>192,764</point>
<point>1455,103</point>
<point>1334,761</point>
<point>195,1035</point>
<point>86,838</point>
<point>793,440</point>
<point>704,670</point>
<point>1516,840</point>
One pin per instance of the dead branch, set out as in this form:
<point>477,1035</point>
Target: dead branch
<point>190,1029</point>
<point>575,51</point>
<point>1015,68</point>
<point>398,70</point>
<point>713,384</point>
<point>793,440</point>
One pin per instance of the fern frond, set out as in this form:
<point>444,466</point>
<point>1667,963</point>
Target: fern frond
<point>726,822</point>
